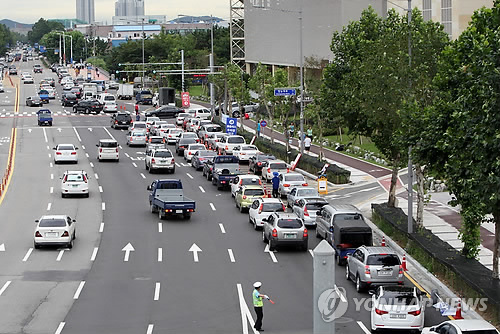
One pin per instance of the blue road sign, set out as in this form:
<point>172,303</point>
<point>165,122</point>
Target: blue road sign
<point>231,125</point>
<point>42,49</point>
<point>263,123</point>
<point>284,91</point>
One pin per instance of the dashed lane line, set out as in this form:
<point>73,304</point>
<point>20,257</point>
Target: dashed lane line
<point>157,291</point>
<point>4,287</point>
<point>190,176</point>
<point>94,254</point>
<point>49,206</point>
<point>160,254</point>
<point>101,228</point>
<point>60,328</point>
<point>45,135</point>
<point>27,256</point>
<point>201,189</point>
<point>212,206</point>
<point>231,255</point>
<point>143,176</point>
<point>134,164</point>
<point>363,327</point>
<point>150,329</point>
<point>103,206</point>
<point>79,290</point>
<point>160,227</point>
<point>222,229</point>
<point>60,255</point>
<point>100,189</point>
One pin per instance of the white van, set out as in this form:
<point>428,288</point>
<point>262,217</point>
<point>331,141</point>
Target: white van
<point>107,149</point>
<point>202,113</point>
<point>106,98</point>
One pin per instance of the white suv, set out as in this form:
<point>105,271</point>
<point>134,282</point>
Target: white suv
<point>107,149</point>
<point>159,159</point>
<point>75,182</point>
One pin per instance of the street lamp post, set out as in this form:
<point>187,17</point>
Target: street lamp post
<point>143,53</point>
<point>301,141</point>
<point>212,98</point>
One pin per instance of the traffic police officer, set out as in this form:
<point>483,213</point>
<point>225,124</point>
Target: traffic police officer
<point>258,305</point>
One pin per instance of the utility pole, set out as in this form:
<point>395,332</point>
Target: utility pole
<point>143,53</point>
<point>64,47</point>
<point>212,107</point>
<point>182,64</point>
<point>301,86</point>
<point>60,49</point>
<point>410,163</point>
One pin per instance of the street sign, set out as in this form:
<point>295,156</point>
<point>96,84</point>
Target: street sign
<point>323,185</point>
<point>185,99</point>
<point>42,49</point>
<point>285,92</point>
<point>263,123</point>
<point>231,126</point>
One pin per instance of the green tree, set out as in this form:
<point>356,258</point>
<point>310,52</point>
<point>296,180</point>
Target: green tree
<point>6,38</point>
<point>42,27</point>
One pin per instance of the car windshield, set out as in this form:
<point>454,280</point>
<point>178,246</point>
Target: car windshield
<point>190,135</point>
<point>156,140</point>
<point>207,153</point>
<point>400,298</point>
<point>289,223</point>
<point>214,129</point>
<point>383,260</point>
<point>163,154</point>
<point>249,181</point>
<point>123,117</point>
<point>271,207</point>
<point>307,192</point>
<point>315,206</point>
<point>109,144</point>
<point>294,178</point>
<point>279,165</point>
<point>109,98</point>
<point>74,178</point>
<point>236,140</point>
<point>52,223</point>
<point>347,216</point>
<point>65,148</point>
<point>254,192</point>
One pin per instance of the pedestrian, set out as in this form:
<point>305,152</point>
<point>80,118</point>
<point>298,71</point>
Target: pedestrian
<point>307,144</point>
<point>276,184</point>
<point>258,129</point>
<point>258,305</point>
<point>292,129</point>
<point>137,114</point>
<point>310,132</point>
<point>97,71</point>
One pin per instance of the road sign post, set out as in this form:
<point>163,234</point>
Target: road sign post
<point>231,126</point>
<point>185,100</point>
<point>263,123</point>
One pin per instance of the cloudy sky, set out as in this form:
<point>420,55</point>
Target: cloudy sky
<point>29,11</point>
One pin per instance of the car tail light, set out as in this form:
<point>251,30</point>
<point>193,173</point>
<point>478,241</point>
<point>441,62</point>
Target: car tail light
<point>269,170</point>
<point>288,170</point>
<point>117,150</point>
<point>116,122</point>
<point>244,196</point>
<point>380,312</point>
<point>261,207</point>
<point>400,270</point>
<point>197,140</point>
<point>367,270</point>
<point>306,213</point>
<point>58,153</point>
<point>65,234</point>
<point>305,184</point>
<point>153,160</point>
<point>305,233</point>
<point>100,150</point>
<point>275,233</point>
<point>73,153</point>
<point>415,313</point>
<point>259,163</point>
<point>286,185</point>
<point>38,234</point>
<point>173,160</point>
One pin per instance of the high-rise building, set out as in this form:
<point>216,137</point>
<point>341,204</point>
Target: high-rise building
<point>85,10</point>
<point>129,8</point>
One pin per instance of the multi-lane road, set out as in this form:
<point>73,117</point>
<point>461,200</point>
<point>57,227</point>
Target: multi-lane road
<point>129,272</point>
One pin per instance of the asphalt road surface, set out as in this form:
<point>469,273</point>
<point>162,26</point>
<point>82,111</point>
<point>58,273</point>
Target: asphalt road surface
<point>158,287</point>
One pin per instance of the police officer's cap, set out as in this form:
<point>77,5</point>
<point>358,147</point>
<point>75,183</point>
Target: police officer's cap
<point>257,284</point>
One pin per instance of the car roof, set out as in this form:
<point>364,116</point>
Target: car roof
<point>344,208</point>
<point>248,176</point>
<point>314,200</point>
<point>471,324</point>
<point>53,217</point>
<point>251,186</point>
<point>378,250</point>
<point>107,140</point>
<point>286,215</point>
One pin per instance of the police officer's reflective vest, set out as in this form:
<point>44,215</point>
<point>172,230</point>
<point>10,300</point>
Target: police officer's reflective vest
<point>257,300</point>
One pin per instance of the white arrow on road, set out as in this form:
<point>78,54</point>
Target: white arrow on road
<point>195,249</point>
<point>90,129</point>
<point>29,130</point>
<point>59,129</point>
<point>127,249</point>
<point>271,253</point>
<point>2,248</point>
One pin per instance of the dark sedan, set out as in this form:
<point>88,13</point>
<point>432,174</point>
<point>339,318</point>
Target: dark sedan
<point>69,100</point>
<point>182,144</point>
<point>88,106</point>
<point>256,163</point>
<point>165,112</point>
<point>200,157</point>
<point>34,101</point>
<point>77,91</point>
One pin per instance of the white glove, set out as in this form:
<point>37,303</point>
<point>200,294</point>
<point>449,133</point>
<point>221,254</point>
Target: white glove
<point>266,296</point>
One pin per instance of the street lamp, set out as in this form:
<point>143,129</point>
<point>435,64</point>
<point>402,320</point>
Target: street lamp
<point>143,53</point>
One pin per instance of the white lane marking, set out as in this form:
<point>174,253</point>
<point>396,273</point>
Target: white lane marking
<point>83,146</point>
<point>126,154</point>
<point>48,148</point>
<point>87,155</point>
<point>94,254</point>
<point>127,249</point>
<point>363,327</point>
<point>50,155</point>
<point>231,255</point>
<point>77,135</point>
<point>45,135</point>
<point>92,165</point>
<point>189,175</point>
<point>157,291</point>
<point>160,254</point>
<point>51,190</point>
<point>103,206</point>
<point>311,252</point>
<point>339,293</point>
<point>49,206</point>
<point>60,255</point>
<point>100,189</point>
<point>79,290</point>
<point>4,287</point>
<point>134,164</point>
<point>143,176</point>
<point>96,176</point>
<point>195,249</point>
<point>222,229</point>
<point>60,328</point>
<point>177,165</point>
<point>245,312</point>
<point>101,228</point>
<point>201,189</point>
<point>121,148</point>
<point>28,253</point>
<point>51,176</point>
<point>212,206</point>
<point>109,133</point>
<point>150,329</point>
<point>51,165</point>
<point>160,227</point>
<point>271,253</point>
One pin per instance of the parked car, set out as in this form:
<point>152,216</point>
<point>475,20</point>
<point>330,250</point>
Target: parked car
<point>246,195</point>
<point>121,120</point>
<point>397,307</point>
<point>263,208</point>
<point>289,181</point>
<point>282,228</point>
<point>74,182</point>
<point>107,149</point>
<point>297,193</point>
<point>307,209</point>
<point>374,266</point>
<point>54,230</point>
<point>157,159</point>
<point>200,157</point>
<point>65,153</point>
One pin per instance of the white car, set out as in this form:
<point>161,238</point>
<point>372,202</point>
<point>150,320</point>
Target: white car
<point>192,149</point>
<point>65,153</point>
<point>75,182</point>
<point>179,120</point>
<point>245,152</point>
<point>203,113</point>
<point>171,135</point>
<point>28,79</point>
<point>244,180</point>
<point>137,138</point>
<point>155,125</point>
<point>138,126</point>
<point>227,143</point>
<point>160,159</point>
<point>68,85</point>
<point>288,181</point>
<point>271,166</point>
<point>263,208</point>
<point>51,91</point>
<point>397,307</point>
<point>462,327</point>
<point>150,121</point>
<point>107,149</point>
<point>162,130</point>
<point>110,106</point>
<point>56,230</point>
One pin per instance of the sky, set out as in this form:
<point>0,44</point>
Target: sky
<point>29,11</point>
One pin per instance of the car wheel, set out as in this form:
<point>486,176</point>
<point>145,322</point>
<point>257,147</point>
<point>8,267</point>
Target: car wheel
<point>339,259</point>
<point>87,111</point>
<point>304,246</point>
<point>264,237</point>
<point>242,209</point>
<point>213,181</point>
<point>153,208</point>
<point>255,227</point>
<point>347,274</point>
<point>359,285</point>
<point>209,177</point>
<point>70,244</point>
<point>161,216</point>
<point>74,235</point>
<point>37,246</point>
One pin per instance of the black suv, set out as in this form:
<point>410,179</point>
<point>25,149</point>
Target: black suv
<point>165,112</point>
<point>69,100</point>
<point>121,120</point>
<point>88,106</point>
<point>256,163</point>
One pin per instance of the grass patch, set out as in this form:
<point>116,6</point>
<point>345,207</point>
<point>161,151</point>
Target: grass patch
<point>196,91</point>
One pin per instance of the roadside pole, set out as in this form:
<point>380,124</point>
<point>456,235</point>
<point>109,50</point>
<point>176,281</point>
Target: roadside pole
<point>323,280</point>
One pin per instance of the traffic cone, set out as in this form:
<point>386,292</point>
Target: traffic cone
<point>458,313</point>
<point>383,241</point>
<point>403,264</point>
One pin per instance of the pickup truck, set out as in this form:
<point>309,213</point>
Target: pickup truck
<point>144,97</point>
<point>167,198</point>
<point>44,117</point>
<point>224,169</point>
<point>44,95</point>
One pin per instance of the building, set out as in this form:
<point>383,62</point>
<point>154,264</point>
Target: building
<point>132,20</point>
<point>129,8</point>
<point>85,11</point>
<point>455,15</point>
